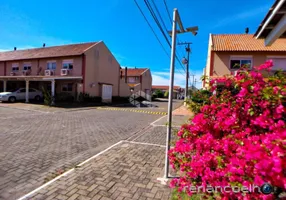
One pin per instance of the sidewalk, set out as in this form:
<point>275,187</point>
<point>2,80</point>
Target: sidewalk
<point>127,170</point>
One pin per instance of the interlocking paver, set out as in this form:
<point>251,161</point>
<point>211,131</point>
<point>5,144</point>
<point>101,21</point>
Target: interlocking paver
<point>117,188</point>
<point>35,147</point>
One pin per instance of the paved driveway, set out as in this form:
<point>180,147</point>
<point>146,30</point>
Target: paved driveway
<point>35,146</point>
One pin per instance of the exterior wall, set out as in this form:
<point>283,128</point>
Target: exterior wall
<point>222,60</point>
<point>208,66</point>
<point>2,68</point>
<point>124,89</point>
<point>135,77</point>
<point>147,81</point>
<point>42,63</point>
<point>61,83</point>
<point>101,67</point>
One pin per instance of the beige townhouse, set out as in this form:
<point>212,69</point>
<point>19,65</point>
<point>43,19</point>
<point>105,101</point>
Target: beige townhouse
<point>227,53</point>
<point>76,68</point>
<point>139,80</point>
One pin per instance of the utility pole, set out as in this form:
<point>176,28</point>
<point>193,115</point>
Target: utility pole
<point>186,62</point>
<point>193,81</point>
<point>173,34</point>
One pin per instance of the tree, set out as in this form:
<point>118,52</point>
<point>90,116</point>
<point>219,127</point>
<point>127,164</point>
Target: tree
<point>159,94</point>
<point>166,95</point>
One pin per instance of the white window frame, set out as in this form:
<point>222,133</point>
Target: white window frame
<point>67,62</point>
<point>240,57</point>
<point>15,65</point>
<point>66,85</point>
<point>51,62</point>
<point>28,65</point>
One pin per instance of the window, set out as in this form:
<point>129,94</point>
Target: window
<point>27,66</point>
<point>67,64</point>
<point>279,63</point>
<point>22,90</point>
<point>131,80</point>
<point>15,67</point>
<point>240,62</point>
<point>51,65</point>
<point>67,87</point>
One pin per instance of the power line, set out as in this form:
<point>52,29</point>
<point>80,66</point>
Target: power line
<point>161,29</point>
<point>157,21</point>
<point>159,26</point>
<point>157,10</point>
<point>168,12</point>
<point>152,29</point>
<point>171,21</point>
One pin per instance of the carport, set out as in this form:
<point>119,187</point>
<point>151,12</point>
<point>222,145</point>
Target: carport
<point>28,79</point>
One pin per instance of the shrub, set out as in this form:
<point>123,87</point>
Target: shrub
<point>159,94</point>
<point>236,140</point>
<point>198,99</point>
<point>87,98</point>
<point>47,97</point>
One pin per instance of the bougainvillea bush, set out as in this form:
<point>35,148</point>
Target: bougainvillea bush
<point>239,139</point>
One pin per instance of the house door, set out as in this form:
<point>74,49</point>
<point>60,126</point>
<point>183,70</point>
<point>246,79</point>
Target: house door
<point>106,93</point>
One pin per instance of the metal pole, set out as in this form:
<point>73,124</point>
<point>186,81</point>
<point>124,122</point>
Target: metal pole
<point>171,85</point>
<point>187,72</point>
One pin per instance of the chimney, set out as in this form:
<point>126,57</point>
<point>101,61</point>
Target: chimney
<point>15,48</point>
<point>246,30</point>
<point>125,74</point>
<point>44,45</point>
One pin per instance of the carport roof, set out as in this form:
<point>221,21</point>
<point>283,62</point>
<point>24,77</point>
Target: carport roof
<point>40,78</point>
<point>46,52</point>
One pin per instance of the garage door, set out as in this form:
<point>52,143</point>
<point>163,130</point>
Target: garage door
<point>106,93</point>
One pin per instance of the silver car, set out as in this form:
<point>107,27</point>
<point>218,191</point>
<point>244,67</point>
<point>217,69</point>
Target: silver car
<point>20,94</point>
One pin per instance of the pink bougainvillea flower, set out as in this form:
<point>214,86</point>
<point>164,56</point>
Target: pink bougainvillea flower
<point>239,138</point>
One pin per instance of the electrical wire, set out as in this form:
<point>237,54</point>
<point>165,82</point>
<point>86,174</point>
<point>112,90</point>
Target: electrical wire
<point>147,3</point>
<point>160,27</point>
<point>152,29</point>
<point>171,21</point>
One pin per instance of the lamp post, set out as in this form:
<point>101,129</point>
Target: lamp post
<point>173,34</point>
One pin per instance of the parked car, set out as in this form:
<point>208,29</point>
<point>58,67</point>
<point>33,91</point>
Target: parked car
<point>20,94</point>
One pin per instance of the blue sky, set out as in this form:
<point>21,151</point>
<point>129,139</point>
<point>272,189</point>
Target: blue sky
<point>28,24</point>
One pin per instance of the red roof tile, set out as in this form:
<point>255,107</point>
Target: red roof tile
<point>164,87</point>
<point>244,42</point>
<point>46,52</point>
<point>133,72</point>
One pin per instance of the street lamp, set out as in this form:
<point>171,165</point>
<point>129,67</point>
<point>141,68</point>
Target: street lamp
<point>193,30</point>
<point>173,34</point>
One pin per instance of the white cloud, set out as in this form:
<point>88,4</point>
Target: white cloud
<point>162,78</point>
